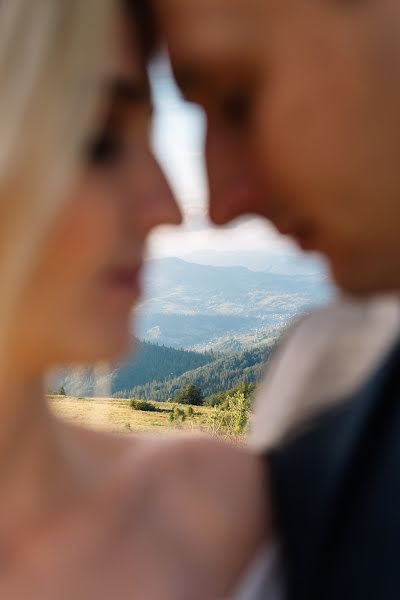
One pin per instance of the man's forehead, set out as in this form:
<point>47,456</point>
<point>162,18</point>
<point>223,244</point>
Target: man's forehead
<point>202,30</point>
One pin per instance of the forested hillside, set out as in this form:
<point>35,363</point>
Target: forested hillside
<point>152,362</point>
<point>147,362</point>
<point>222,374</point>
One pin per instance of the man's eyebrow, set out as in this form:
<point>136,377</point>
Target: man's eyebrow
<point>129,91</point>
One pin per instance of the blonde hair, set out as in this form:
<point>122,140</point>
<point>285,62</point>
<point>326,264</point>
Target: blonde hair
<point>52,53</point>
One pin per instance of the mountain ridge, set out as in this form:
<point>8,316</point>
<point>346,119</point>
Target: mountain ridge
<point>146,362</point>
<point>224,373</point>
<point>184,298</point>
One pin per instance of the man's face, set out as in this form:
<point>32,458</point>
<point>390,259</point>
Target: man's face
<point>303,106</point>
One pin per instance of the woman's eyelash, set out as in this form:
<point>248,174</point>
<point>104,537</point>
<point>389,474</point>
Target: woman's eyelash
<point>103,149</point>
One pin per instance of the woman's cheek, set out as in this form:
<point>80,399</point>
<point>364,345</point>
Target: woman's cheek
<point>89,226</point>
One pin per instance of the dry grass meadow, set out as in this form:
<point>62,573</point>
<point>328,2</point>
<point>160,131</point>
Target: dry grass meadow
<point>117,416</point>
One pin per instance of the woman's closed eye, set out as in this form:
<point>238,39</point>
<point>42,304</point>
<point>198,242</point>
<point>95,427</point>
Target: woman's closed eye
<point>123,134</point>
<point>104,149</point>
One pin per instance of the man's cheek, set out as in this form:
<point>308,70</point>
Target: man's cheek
<point>297,143</point>
<point>279,154</point>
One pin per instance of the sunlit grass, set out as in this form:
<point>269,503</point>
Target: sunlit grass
<point>117,416</point>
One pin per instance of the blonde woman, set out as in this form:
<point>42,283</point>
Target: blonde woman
<point>86,515</point>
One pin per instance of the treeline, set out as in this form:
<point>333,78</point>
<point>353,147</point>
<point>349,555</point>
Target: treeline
<point>151,362</point>
<point>220,398</point>
<point>146,363</point>
<point>224,373</point>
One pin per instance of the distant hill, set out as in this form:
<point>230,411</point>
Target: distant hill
<point>192,304</point>
<point>286,260</point>
<point>206,310</point>
<point>147,362</point>
<point>244,340</point>
<point>222,374</point>
<point>180,287</point>
<point>188,331</point>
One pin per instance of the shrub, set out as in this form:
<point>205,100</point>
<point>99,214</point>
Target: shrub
<point>220,398</point>
<point>215,399</point>
<point>143,405</point>
<point>231,417</point>
<point>177,415</point>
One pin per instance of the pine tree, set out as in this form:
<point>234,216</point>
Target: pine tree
<point>190,394</point>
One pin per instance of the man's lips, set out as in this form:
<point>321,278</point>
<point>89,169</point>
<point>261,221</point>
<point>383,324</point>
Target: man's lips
<point>304,235</point>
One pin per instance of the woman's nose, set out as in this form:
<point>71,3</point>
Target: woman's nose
<point>154,203</point>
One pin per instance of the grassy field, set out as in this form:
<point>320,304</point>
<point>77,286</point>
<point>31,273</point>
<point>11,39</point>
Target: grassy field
<point>117,416</point>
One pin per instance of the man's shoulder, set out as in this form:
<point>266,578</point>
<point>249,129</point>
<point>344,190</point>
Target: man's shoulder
<point>363,324</point>
<point>322,360</point>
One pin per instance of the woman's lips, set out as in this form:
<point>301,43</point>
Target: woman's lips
<point>125,281</point>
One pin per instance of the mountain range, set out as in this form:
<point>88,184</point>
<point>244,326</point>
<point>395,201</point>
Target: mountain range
<point>211,325</point>
<point>192,305</point>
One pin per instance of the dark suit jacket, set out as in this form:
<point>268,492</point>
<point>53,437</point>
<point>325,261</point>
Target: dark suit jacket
<point>336,491</point>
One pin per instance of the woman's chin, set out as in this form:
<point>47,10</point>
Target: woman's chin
<point>117,347</point>
<point>108,339</point>
<point>108,346</point>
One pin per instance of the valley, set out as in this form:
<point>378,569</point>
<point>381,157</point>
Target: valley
<point>214,326</point>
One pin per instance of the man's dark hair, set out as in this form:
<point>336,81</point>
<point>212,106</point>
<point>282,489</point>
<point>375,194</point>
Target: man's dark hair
<point>145,22</point>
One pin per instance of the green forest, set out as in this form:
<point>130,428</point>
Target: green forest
<point>151,362</point>
<point>147,362</point>
<point>222,373</point>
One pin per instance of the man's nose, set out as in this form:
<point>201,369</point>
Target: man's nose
<point>232,186</point>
